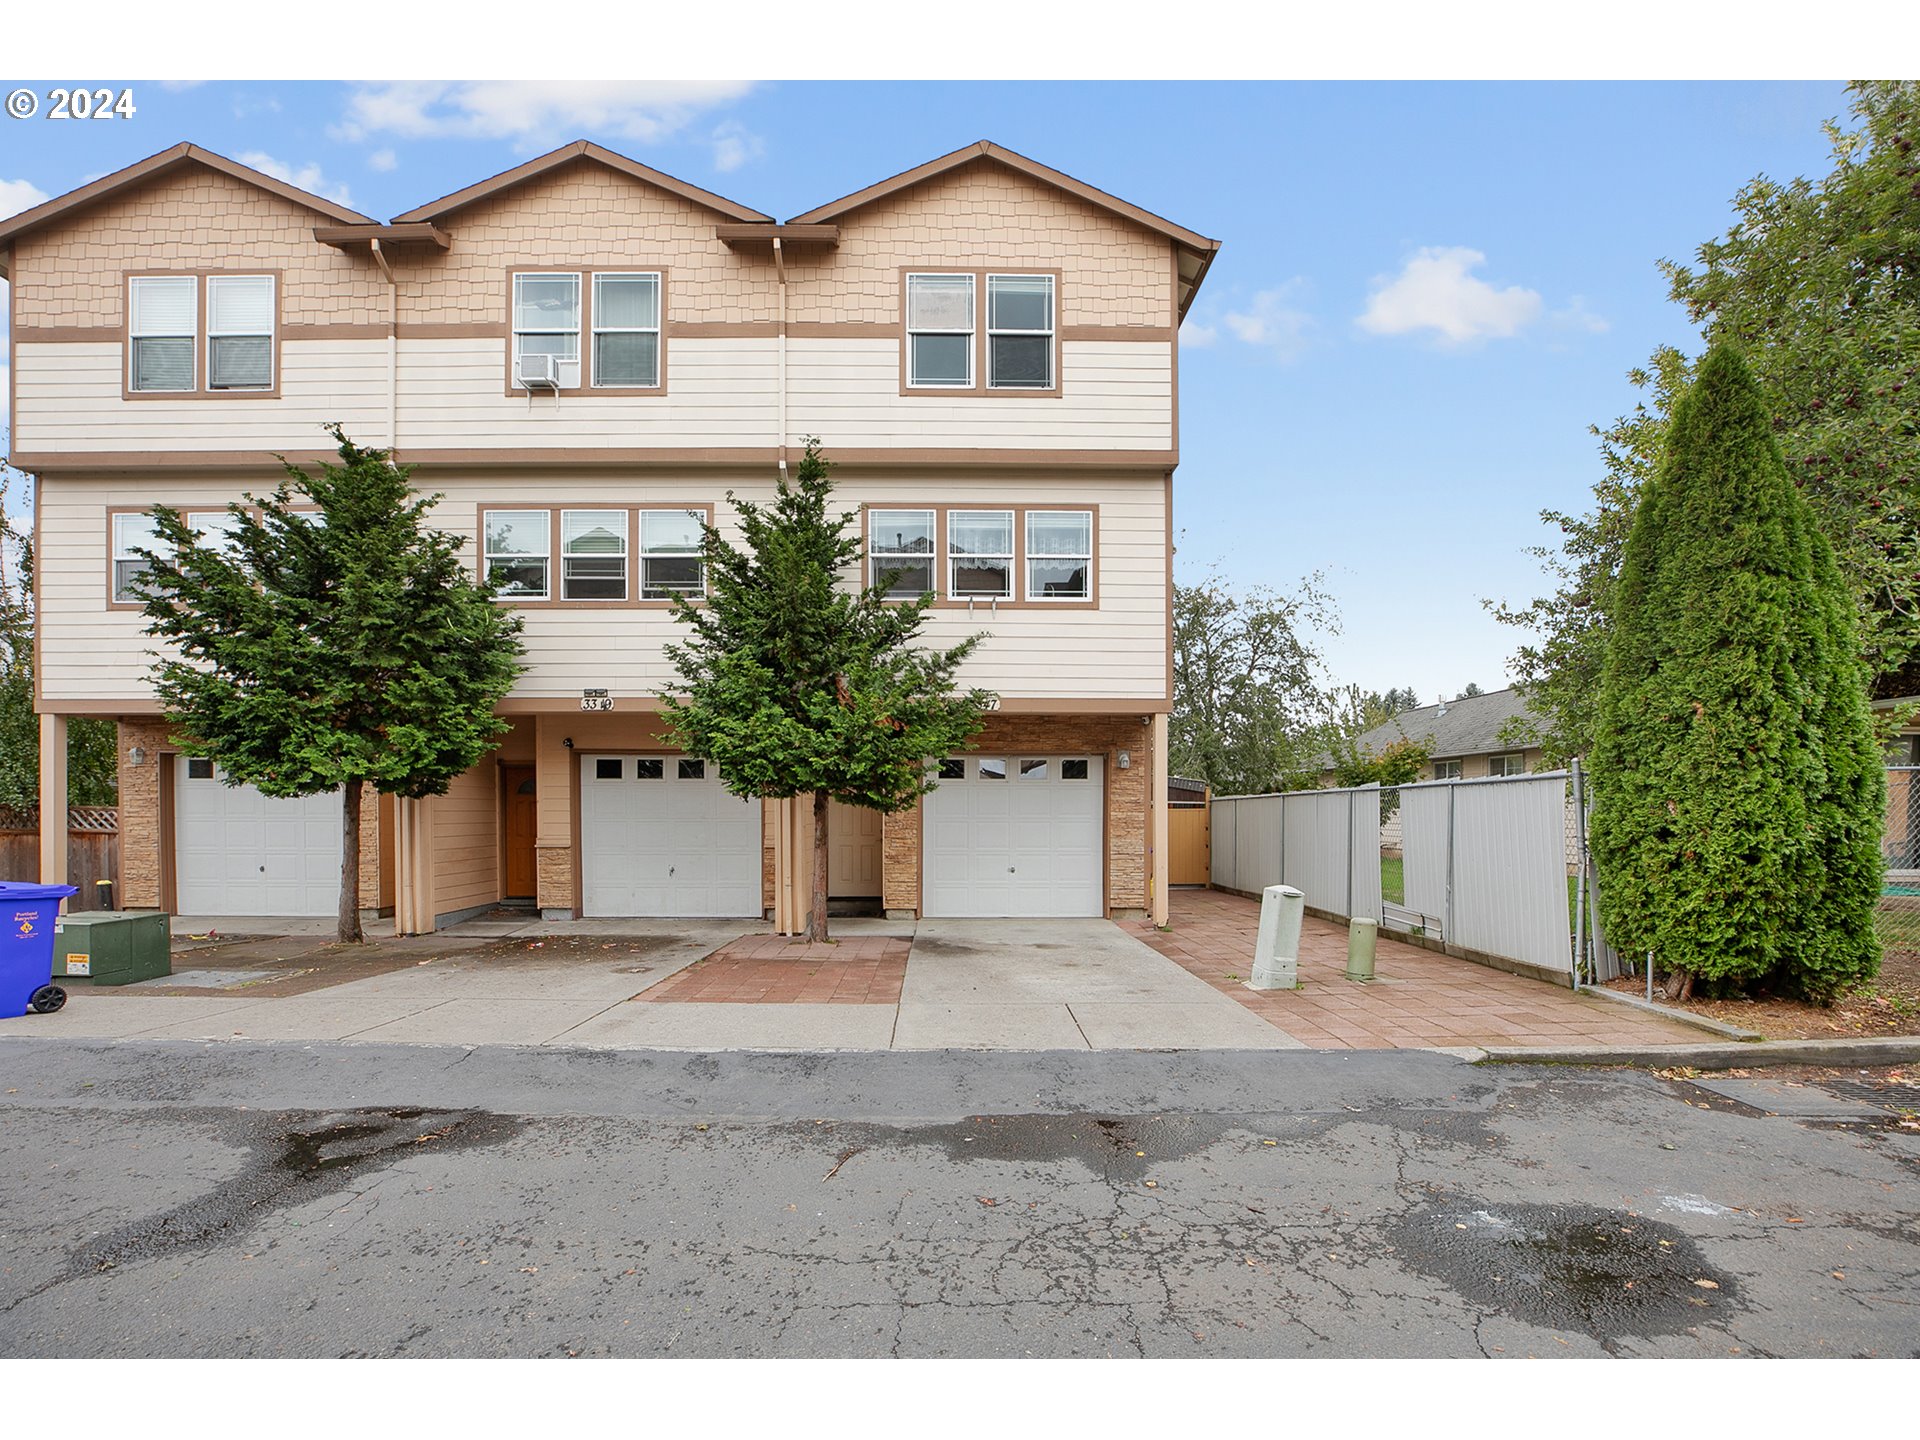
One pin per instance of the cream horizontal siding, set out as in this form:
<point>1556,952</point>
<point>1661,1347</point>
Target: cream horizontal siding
<point>1117,651</point>
<point>466,841</point>
<point>1117,395</point>
<point>68,400</point>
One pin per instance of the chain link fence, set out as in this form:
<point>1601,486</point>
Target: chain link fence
<point>1898,917</point>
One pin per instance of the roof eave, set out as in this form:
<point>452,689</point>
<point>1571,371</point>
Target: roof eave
<point>435,210</point>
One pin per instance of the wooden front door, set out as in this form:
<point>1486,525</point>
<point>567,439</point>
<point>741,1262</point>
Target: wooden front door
<point>517,782</point>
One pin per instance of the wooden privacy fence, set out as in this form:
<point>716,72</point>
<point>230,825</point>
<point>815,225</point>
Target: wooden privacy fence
<point>1188,858</point>
<point>93,849</point>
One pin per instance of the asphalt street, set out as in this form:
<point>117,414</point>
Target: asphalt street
<point>172,1199</point>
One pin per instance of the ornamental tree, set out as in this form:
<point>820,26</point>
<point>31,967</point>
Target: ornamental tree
<point>1738,790</point>
<point>330,650</point>
<point>797,685</point>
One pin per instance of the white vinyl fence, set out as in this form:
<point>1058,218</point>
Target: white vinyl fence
<point>1325,843</point>
<point>1485,864</point>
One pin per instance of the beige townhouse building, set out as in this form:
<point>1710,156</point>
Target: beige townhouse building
<point>582,355</point>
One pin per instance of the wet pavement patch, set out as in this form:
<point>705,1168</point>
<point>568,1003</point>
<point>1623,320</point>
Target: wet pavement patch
<point>1603,1272</point>
<point>295,1158</point>
<point>1118,1147</point>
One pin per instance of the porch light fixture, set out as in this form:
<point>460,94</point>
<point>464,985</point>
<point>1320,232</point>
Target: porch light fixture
<point>136,756</point>
<point>1124,760</point>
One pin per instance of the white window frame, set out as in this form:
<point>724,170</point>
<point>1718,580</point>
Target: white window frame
<point>513,317</point>
<point>657,330</point>
<point>1051,332</point>
<point>1031,559</point>
<point>134,335</point>
<point>271,336</point>
<point>698,556</point>
<point>626,546</point>
<point>123,551</point>
<point>488,555</point>
<point>224,523</point>
<point>877,564</point>
<point>1512,762</point>
<point>1010,555</point>
<point>971,331</point>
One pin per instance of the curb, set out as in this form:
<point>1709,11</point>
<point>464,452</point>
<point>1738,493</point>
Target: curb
<point>1902,1051</point>
<point>1721,1028</point>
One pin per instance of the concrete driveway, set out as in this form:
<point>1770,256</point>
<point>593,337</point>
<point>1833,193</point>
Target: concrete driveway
<point>969,985</point>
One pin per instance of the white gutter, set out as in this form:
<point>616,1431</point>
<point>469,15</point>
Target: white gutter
<point>393,347</point>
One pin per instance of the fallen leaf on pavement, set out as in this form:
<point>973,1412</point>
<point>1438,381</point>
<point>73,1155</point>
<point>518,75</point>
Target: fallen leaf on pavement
<point>1708,1284</point>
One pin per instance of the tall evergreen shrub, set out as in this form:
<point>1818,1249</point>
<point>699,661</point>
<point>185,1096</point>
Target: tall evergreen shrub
<point>1738,792</point>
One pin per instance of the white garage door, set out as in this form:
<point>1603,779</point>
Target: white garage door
<point>1015,835</point>
<point>662,836</point>
<point>238,852</point>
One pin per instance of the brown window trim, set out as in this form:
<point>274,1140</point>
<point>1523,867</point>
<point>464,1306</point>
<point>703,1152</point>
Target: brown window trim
<point>979,388</point>
<point>191,507</point>
<point>553,509</point>
<point>586,274</point>
<point>201,345</point>
<point>1019,600</point>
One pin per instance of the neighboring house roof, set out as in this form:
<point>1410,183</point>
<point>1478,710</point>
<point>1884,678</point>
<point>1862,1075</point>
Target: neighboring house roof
<point>566,155</point>
<point>1469,726</point>
<point>141,171</point>
<point>1198,250</point>
<point>1176,784</point>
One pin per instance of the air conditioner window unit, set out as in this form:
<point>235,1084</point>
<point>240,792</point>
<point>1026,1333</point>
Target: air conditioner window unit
<point>539,372</point>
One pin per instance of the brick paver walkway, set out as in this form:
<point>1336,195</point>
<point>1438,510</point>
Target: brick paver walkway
<point>773,970</point>
<point>1422,998</point>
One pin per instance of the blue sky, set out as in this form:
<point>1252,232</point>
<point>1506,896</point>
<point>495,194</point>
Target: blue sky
<point>1427,291</point>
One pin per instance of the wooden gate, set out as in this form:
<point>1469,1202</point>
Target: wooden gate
<point>1189,853</point>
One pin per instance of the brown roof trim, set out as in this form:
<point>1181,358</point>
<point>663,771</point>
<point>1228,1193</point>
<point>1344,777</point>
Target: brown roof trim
<point>170,159</point>
<point>987,150</point>
<point>789,234</point>
<point>566,154</point>
<point>341,236</point>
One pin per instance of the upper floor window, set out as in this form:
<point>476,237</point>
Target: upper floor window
<point>1019,332</point>
<point>900,543</point>
<point>593,554</point>
<point>518,544</point>
<point>626,329</point>
<point>162,323</point>
<point>940,331</point>
<point>671,560</point>
<point>240,332</point>
<point>980,554</point>
<point>132,531</point>
<point>546,322</point>
<point>1059,554</point>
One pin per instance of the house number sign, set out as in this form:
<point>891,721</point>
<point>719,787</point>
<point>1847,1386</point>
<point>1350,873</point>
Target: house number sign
<point>595,700</point>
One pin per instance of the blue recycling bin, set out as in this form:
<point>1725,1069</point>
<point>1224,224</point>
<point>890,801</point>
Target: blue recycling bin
<point>27,916</point>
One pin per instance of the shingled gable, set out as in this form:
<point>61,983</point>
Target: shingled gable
<point>62,207</point>
<point>436,210</point>
<point>1196,250</point>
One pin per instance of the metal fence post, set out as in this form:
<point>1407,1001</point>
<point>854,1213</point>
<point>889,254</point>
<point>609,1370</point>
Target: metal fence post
<point>1282,808</point>
<point>1453,790</point>
<point>1580,866</point>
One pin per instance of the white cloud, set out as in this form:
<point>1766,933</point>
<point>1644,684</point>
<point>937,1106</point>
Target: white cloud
<point>18,195</point>
<point>1437,292</point>
<point>1196,336</point>
<point>382,160</point>
<point>307,177</point>
<point>734,145</point>
<point>1575,315</point>
<point>533,113</point>
<point>1272,321</point>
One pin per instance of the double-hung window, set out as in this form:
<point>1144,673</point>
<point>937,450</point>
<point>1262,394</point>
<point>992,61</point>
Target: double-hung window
<point>518,545</point>
<point>670,555</point>
<point>131,532</point>
<point>626,330</point>
<point>214,529</point>
<point>162,322</point>
<point>900,545</point>
<point>1019,332</point>
<point>980,554</point>
<point>940,331</point>
<point>240,332</point>
<point>1059,554</point>
<point>593,555</point>
<point>546,322</point>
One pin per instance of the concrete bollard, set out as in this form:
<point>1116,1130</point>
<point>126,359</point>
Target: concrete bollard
<point>1276,952</point>
<point>1361,934</point>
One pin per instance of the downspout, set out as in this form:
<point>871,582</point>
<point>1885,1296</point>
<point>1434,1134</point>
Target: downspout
<point>780,277</point>
<point>393,347</point>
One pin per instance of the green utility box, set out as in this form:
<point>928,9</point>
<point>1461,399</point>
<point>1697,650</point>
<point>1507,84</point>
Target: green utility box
<point>113,947</point>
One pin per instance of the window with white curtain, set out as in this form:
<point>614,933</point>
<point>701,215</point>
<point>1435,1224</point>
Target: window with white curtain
<point>546,320</point>
<point>900,544</point>
<point>162,321</point>
<point>980,554</point>
<point>940,331</point>
<point>626,329</point>
<point>1059,554</point>
<point>240,332</point>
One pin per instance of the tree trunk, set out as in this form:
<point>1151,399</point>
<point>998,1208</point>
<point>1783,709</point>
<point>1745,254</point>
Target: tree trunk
<point>1679,983</point>
<point>350,864</point>
<point>817,913</point>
